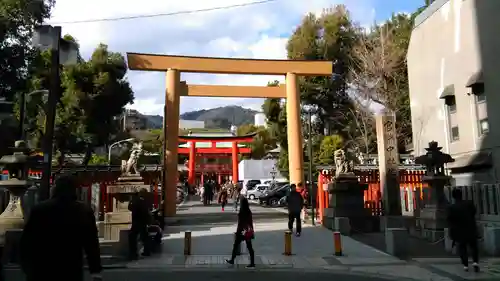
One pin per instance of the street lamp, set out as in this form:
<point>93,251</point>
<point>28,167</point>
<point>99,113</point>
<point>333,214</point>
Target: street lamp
<point>116,143</point>
<point>47,37</point>
<point>309,110</point>
<point>22,110</point>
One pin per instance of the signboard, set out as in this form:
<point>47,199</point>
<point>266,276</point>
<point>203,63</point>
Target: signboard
<point>391,145</point>
<point>388,163</point>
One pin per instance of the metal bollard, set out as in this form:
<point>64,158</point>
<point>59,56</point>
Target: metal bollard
<point>288,243</point>
<point>187,243</point>
<point>238,247</point>
<point>337,243</point>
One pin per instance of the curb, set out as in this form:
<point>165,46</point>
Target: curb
<point>104,266</point>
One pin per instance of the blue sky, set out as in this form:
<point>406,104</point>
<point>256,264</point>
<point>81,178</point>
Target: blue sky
<point>258,31</point>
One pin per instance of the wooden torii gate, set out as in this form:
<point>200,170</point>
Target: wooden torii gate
<point>174,65</point>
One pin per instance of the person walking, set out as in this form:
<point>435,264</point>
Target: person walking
<point>244,232</point>
<point>141,219</point>
<point>295,204</point>
<point>463,230</point>
<point>223,198</point>
<point>55,235</point>
<point>305,197</point>
<point>236,196</point>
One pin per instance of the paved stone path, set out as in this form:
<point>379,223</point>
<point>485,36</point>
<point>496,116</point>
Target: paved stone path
<point>312,252</point>
<point>227,275</point>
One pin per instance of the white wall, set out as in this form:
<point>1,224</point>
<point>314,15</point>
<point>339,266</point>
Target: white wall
<point>257,169</point>
<point>191,124</point>
<point>260,119</point>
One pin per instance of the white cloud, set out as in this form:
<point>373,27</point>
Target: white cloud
<point>258,31</point>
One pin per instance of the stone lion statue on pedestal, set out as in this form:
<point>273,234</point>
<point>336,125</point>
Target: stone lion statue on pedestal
<point>342,164</point>
<point>130,166</point>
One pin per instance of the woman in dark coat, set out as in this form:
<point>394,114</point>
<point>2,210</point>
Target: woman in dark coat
<point>223,198</point>
<point>244,232</point>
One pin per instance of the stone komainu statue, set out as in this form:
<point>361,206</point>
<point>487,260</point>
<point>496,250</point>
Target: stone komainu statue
<point>131,164</point>
<point>342,165</point>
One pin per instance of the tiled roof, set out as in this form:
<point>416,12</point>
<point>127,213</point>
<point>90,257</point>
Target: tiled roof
<point>212,134</point>
<point>209,144</point>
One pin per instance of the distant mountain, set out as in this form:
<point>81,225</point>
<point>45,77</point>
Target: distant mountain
<point>222,117</point>
<point>154,121</point>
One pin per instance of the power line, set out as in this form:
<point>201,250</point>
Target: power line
<point>166,14</point>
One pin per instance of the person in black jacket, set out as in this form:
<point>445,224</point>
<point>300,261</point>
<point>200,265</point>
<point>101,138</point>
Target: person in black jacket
<point>223,198</point>
<point>463,230</point>
<point>295,204</point>
<point>141,218</point>
<point>244,232</point>
<point>55,235</point>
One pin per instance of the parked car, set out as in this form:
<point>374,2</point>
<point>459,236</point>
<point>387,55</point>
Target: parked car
<point>258,191</point>
<point>272,197</point>
<point>249,185</point>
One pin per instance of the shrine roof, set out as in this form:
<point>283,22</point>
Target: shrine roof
<point>228,137</point>
<point>209,145</point>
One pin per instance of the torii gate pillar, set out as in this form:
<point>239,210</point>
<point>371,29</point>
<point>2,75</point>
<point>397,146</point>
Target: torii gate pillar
<point>172,103</point>
<point>295,147</point>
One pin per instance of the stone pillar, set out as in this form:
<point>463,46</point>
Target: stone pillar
<point>234,157</point>
<point>192,162</point>
<point>388,158</point>
<point>294,130</point>
<point>172,101</point>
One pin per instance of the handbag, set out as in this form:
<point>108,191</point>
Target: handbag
<point>248,233</point>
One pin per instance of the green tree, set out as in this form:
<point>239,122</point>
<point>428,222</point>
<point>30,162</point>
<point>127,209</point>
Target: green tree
<point>331,37</point>
<point>328,146</point>
<point>98,160</point>
<point>97,92</point>
<point>262,143</point>
<point>18,19</point>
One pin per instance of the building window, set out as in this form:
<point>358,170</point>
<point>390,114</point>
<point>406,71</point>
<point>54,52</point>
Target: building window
<point>455,135</point>
<point>483,126</point>
<point>480,98</point>
<point>451,104</point>
<point>452,108</point>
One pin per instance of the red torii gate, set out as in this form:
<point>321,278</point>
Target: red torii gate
<point>234,151</point>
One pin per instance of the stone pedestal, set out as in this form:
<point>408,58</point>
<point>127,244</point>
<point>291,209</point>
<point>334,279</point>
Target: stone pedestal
<point>396,241</point>
<point>432,219</point>
<point>13,215</point>
<point>121,192</point>
<point>491,243</point>
<point>347,201</point>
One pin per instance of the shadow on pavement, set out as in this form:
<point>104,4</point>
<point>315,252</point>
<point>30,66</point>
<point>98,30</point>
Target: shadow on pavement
<point>210,275</point>
<point>417,247</point>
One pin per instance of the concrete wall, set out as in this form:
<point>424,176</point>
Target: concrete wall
<point>445,51</point>
<point>191,124</point>
<point>260,119</point>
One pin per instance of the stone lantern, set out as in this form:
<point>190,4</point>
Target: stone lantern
<point>432,218</point>
<point>17,164</point>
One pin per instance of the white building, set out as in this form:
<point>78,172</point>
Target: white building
<point>260,119</point>
<point>191,124</point>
